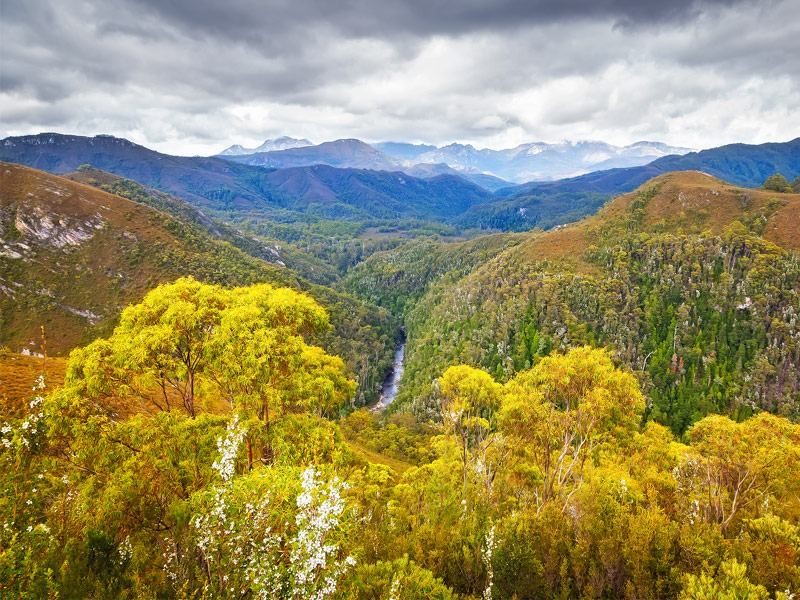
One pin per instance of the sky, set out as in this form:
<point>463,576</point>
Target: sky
<point>192,77</point>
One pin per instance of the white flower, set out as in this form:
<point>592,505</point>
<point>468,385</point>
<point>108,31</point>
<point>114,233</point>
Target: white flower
<point>229,448</point>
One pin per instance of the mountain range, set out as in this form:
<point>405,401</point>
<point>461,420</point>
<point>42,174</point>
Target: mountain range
<point>526,162</point>
<point>533,204</point>
<point>281,182</point>
<point>214,183</point>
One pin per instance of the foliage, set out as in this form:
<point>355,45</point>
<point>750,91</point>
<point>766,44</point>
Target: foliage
<point>563,409</point>
<point>776,183</point>
<point>243,346</point>
<point>400,579</point>
<point>739,464</point>
<point>542,209</point>
<point>730,584</point>
<point>401,436</point>
<point>171,506</point>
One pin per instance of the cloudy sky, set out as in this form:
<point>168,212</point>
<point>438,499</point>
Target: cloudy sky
<point>194,76</point>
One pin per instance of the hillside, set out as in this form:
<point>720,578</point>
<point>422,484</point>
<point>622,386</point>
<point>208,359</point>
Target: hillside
<point>396,279</point>
<point>685,203</point>
<point>271,251</point>
<point>741,164</point>
<point>677,277</point>
<point>73,256</point>
<point>354,194</point>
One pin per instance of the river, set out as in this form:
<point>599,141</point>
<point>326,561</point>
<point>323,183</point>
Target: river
<point>392,383</point>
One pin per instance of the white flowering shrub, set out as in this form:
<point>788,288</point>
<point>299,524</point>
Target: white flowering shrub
<point>486,556</point>
<point>228,447</point>
<point>27,486</point>
<point>20,441</point>
<point>29,434</point>
<point>275,533</point>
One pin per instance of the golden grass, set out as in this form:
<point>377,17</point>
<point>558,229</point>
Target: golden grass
<point>376,458</point>
<point>692,202</point>
<point>18,374</point>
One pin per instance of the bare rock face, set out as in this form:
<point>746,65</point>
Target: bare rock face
<point>39,226</point>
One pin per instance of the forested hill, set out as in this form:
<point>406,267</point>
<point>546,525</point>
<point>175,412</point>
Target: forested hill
<point>271,251</point>
<point>358,194</point>
<point>688,279</point>
<point>73,256</point>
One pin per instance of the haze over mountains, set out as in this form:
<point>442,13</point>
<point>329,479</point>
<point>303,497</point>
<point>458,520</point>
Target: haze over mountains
<point>526,162</point>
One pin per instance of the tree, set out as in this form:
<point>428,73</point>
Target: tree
<point>739,464</point>
<point>240,349</point>
<point>563,408</point>
<point>731,583</point>
<point>795,185</point>
<point>244,346</point>
<point>776,183</point>
<point>470,398</point>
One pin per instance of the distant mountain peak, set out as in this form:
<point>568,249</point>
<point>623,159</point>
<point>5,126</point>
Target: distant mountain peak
<point>281,143</point>
<point>348,142</point>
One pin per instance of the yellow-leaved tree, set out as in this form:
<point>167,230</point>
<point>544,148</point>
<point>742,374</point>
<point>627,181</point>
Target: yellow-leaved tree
<point>560,411</point>
<point>470,400</point>
<point>196,347</point>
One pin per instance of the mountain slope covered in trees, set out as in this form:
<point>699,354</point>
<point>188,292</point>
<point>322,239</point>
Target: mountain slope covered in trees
<point>692,282</point>
<point>73,256</point>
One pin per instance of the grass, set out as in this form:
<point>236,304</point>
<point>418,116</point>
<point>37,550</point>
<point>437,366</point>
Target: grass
<point>398,466</point>
<point>18,374</point>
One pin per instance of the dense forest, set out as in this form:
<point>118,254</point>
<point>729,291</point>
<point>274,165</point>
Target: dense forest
<point>608,409</point>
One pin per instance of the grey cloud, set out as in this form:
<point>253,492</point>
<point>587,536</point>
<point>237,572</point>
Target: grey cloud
<point>256,19</point>
<point>443,71</point>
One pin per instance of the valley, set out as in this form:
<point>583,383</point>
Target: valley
<point>401,300</point>
<point>584,387</point>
